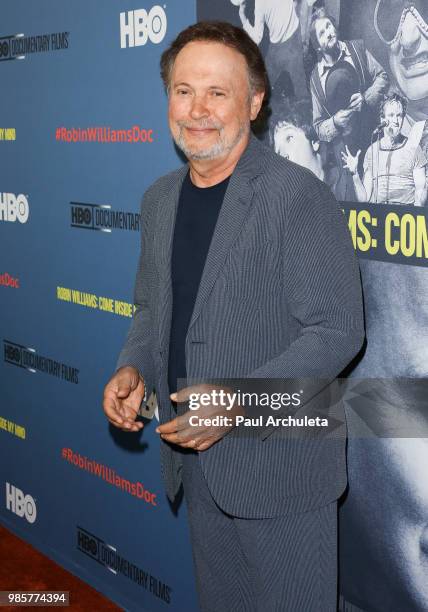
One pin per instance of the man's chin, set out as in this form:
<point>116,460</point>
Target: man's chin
<point>394,135</point>
<point>200,153</point>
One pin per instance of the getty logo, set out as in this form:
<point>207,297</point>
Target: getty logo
<point>20,504</point>
<point>14,207</point>
<point>139,26</point>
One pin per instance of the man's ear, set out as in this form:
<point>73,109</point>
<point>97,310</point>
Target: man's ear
<point>256,104</point>
<point>316,145</point>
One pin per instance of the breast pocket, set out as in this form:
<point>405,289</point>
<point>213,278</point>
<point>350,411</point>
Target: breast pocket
<point>253,271</point>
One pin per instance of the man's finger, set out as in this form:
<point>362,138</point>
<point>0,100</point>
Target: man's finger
<point>185,439</point>
<point>205,445</point>
<point>185,435</point>
<point>128,410</point>
<point>132,426</point>
<point>191,444</point>
<point>125,386</point>
<point>127,426</point>
<point>128,381</point>
<point>169,427</point>
<point>177,439</point>
<point>172,438</point>
<point>182,395</point>
<point>112,410</point>
<point>176,424</point>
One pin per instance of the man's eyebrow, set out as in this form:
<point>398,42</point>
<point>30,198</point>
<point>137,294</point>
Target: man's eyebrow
<point>181,84</point>
<point>184,84</point>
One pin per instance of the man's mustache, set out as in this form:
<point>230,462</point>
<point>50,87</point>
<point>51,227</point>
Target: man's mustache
<point>202,125</point>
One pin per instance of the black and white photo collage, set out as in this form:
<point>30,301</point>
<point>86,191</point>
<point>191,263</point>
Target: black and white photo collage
<point>349,90</point>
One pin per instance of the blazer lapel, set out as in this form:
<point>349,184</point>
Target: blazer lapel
<point>163,238</point>
<point>235,209</point>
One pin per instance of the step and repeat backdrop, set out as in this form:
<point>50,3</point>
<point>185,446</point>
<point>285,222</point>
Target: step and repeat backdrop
<point>83,133</point>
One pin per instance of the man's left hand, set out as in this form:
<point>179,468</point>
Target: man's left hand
<point>199,436</point>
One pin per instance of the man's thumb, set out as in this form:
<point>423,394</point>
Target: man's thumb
<point>126,385</point>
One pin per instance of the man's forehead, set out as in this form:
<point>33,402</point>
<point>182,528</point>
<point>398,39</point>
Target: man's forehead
<point>394,105</point>
<point>284,127</point>
<point>209,64</point>
<point>322,23</point>
<point>212,54</point>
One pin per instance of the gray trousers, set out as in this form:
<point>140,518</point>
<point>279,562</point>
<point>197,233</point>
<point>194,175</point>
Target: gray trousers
<point>282,564</point>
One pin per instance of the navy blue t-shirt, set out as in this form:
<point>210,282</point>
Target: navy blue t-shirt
<point>197,213</point>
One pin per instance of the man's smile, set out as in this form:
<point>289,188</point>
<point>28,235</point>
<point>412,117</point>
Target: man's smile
<point>200,131</point>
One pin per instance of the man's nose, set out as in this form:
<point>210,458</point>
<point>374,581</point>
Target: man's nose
<point>410,39</point>
<point>199,108</point>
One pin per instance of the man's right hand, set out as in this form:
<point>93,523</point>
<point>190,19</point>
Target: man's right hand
<point>342,117</point>
<point>350,161</point>
<point>123,395</point>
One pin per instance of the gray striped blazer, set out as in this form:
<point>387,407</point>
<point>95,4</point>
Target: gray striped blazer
<point>279,297</point>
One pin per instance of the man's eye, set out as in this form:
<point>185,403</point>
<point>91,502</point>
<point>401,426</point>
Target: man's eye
<point>182,92</point>
<point>218,94</point>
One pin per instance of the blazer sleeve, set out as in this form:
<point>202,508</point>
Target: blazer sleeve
<point>323,124</point>
<point>322,287</point>
<point>379,81</point>
<point>138,350</point>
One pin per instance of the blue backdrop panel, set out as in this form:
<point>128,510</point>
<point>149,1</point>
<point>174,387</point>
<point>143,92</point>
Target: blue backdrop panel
<point>83,133</point>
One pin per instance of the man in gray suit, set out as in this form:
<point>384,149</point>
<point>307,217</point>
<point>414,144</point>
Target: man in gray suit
<point>271,291</point>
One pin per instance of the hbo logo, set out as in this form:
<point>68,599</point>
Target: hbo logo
<point>137,27</point>
<point>13,207</point>
<point>4,49</point>
<point>20,504</point>
<point>12,353</point>
<point>81,215</point>
<point>86,543</point>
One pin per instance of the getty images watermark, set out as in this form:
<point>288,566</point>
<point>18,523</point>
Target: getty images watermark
<point>241,403</point>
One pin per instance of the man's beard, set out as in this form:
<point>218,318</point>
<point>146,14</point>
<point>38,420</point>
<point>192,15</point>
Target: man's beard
<point>394,134</point>
<point>332,49</point>
<point>218,149</point>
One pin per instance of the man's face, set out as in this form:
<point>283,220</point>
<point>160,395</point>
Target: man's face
<point>394,116</point>
<point>292,143</point>
<point>326,35</point>
<point>210,106</point>
<point>408,57</point>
